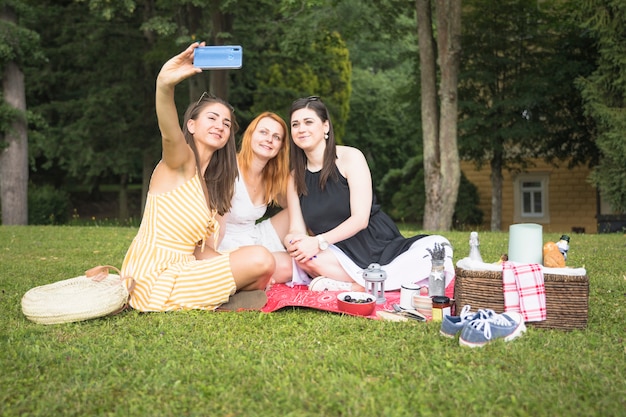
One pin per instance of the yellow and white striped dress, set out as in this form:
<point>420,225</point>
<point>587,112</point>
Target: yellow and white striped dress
<point>160,259</point>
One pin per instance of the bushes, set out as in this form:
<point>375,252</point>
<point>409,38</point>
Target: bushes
<point>403,197</point>
<point>47,205</point>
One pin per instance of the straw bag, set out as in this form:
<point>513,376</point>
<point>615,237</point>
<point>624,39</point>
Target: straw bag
<point>95,294</point>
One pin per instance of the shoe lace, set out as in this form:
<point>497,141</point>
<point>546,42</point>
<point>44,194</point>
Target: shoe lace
<point>484,322</point>
<point>467,315</point>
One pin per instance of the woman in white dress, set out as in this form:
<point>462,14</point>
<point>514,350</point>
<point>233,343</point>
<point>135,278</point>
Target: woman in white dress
<point>263,162</point>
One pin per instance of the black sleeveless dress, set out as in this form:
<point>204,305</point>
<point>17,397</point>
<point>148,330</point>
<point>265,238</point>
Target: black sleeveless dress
<point>323,210</point>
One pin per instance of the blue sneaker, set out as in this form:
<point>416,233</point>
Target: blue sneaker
<point>480,331</point>
<point>452,325</point>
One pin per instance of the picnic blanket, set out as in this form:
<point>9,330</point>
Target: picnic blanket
<point>281,295</point>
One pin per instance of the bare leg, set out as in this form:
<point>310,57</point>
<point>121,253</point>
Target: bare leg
<point>326,264</point>
<point>252,267</point>
<point>284,270</point>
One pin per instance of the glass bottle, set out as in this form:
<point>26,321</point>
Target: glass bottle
<point>436,279</point>
<point>474,244</point>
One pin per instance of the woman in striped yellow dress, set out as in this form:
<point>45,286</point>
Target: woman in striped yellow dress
<point>173,259</point>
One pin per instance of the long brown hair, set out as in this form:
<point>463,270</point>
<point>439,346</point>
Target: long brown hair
<point>298,157</point>
<point>276,170</point>
<point>221,173</point>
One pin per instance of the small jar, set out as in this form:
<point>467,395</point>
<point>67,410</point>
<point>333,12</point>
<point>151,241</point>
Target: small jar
<point>441,307</point>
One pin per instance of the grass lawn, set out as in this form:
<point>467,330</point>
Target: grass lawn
<point>296,362</point>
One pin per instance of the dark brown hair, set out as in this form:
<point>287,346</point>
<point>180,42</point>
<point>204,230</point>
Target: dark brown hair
<point>221,173</point>
<point>298,157</point>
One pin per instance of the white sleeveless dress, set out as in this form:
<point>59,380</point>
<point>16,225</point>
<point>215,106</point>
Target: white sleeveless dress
<point>241,227</point>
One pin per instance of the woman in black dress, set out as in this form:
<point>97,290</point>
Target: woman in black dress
<point>336,227</point>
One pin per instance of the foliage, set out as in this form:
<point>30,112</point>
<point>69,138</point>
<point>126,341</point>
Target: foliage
<point>382,121</point>
<point>47,205</point>
<point>322,68</point>
<point>295,362</point>
<point>404,204</point>
<point>518,99</point>
<point>92,93</point>
<point>604,93</point>
<point>8,114</point>
<point>98,127</point>
<point>467,213</point>
<point>517,85</point>
<point>18,44</point>
<point>21,46</point>
<point>398,192</point>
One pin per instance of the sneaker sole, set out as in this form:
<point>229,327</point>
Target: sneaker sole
<point>315,283</point>
<point>518,332</point>
<point>448,335</point>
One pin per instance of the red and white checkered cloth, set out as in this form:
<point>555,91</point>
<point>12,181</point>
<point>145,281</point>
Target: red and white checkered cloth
<point>524,290</point>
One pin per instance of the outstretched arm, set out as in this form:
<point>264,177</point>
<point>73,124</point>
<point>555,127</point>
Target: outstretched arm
<point>177,69</point>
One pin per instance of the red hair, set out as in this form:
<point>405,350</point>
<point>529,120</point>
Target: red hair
<point>276,170</point>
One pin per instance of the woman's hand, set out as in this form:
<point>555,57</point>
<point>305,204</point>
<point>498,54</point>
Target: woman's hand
<point>302,248</point>
<point>179,67</point>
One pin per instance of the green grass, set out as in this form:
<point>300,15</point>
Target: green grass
<point>296,362</point>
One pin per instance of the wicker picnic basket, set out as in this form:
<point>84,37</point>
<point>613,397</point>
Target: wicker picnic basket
<point>95,294</point>
<point>567,297</point>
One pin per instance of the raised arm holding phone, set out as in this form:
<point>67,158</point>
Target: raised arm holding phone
<point>173,258</point>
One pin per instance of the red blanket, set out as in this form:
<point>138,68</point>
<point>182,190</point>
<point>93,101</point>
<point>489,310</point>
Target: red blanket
<point>280,295</point>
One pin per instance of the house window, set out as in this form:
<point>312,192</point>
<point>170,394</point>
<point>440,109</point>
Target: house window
<point>531,197</point>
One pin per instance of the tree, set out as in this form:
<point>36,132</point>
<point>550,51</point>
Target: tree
<point>518,100</point>
<point>16,43</point>
<point>604,93</point>
<point>442,173</point>
<point>96,91</point>
<point>382,120</point>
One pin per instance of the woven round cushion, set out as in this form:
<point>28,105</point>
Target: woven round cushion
<point>75,299</point>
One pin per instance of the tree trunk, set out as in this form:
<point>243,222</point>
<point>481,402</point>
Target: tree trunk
<point>429,109</point>
<point>441,158</point>
<point>122,198</point>
<point>14,158</point>
<point>220,23</point>
<point>449,42</point>
<point>496,191</point>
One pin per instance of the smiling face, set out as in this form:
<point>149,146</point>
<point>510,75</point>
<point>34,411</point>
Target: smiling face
<point>267,138</point>
<point>212,126</point>
<point>307,129</point>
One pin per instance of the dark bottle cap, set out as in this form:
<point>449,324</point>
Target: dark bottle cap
<point>565,238</point>
<point>441,299</point>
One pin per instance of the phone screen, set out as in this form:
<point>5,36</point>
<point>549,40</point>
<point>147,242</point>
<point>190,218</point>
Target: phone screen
<point>218,57</point>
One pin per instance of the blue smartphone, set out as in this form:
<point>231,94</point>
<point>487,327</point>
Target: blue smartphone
<point>218,57</point>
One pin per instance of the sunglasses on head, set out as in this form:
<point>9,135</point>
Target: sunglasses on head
<point>306,100</point>
<point>210,97</point>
